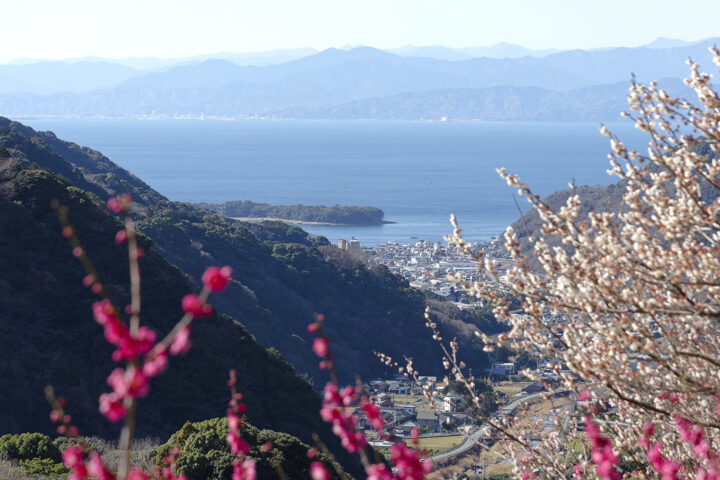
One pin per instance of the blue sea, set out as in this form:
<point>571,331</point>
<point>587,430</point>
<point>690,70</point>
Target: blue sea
<point>417,172</point>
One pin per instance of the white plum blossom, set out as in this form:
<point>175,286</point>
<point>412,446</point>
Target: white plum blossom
<point>626,303</point>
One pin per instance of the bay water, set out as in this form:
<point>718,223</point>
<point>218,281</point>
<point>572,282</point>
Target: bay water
<point>417,172</point>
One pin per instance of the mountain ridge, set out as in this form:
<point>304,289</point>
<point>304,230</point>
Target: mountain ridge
<point>333,78</point>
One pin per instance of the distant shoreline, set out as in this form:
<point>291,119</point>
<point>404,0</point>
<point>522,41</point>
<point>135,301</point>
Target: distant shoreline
<point>459,120</point>
<point>197,118</point>
<point>303,222</point>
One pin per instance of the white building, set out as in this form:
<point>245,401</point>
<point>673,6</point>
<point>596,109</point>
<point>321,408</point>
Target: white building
<point>502,369</point>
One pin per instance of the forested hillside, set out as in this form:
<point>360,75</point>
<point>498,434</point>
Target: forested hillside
<point>49,337</point>
<point>282,279</point>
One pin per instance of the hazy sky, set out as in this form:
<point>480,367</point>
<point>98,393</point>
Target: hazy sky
<point>173,28</point>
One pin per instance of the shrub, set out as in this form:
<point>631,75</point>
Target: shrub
<point>29,446</point>
<point>205,454</point>
<point>44,467</point>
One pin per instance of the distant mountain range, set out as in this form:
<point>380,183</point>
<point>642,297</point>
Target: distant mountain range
<point>501,82</point>
<point>662,42</point>
<point>268,57</point>
<point>601,103</point>
<point>499,50</point>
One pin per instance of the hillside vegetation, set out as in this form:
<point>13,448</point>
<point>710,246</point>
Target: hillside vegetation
<point>284,276</point>
<point>49,337</point>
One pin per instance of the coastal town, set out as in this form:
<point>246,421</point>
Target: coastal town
<point>428,265</point>
<point>448,429</point>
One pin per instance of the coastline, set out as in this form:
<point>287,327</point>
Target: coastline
<point>304,222</point>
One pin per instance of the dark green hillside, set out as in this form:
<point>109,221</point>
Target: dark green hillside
<point>48,336</point>
<point>282,285</point>
<point>277,231</point>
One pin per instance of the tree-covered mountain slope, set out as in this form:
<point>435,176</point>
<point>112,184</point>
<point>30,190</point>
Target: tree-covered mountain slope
<point>283,279</point>
<point>49,336</point>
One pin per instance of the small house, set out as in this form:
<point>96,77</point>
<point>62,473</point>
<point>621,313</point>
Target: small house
<point>428,418</point>
<point>384,400</point>
<point>452,403</point>
<point>404,429</point>
<point>507,368</point>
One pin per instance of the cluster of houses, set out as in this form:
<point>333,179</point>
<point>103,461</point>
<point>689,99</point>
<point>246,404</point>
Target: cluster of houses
<point>426,265</point>
<point>404,416</point>
<point>509,368</point>
<point>449,412</point>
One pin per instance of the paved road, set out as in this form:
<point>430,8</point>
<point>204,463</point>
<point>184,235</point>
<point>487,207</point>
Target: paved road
<point>469,443</point>
<point>510,408</point>
<point>474,437</point>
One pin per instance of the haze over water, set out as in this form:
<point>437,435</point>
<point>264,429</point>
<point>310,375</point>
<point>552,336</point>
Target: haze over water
<point>418,173</point>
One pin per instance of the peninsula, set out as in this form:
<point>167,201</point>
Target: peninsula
<point>302,214</point>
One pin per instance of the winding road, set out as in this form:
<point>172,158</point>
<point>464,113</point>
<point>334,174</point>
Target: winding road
<point>474,437</point>
<point>469,443</point>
